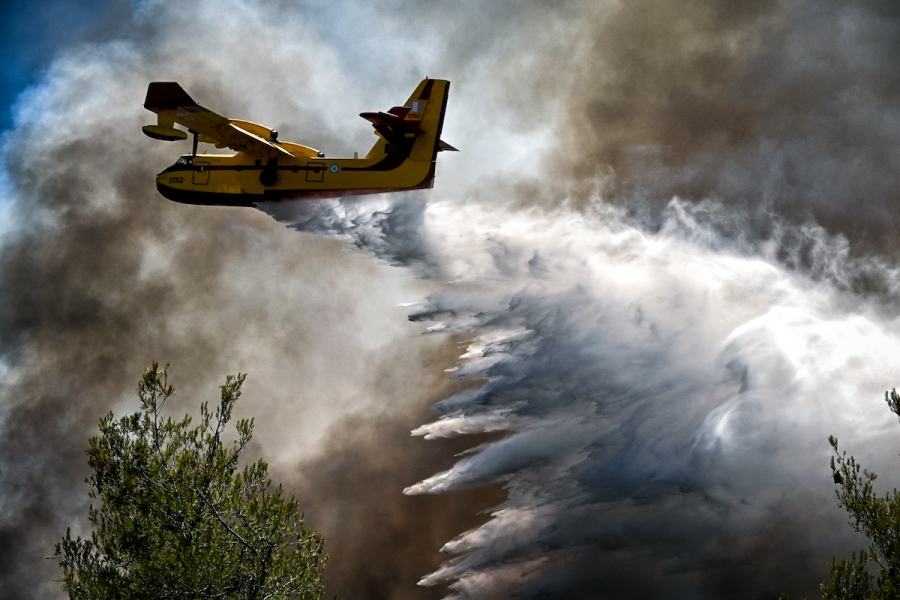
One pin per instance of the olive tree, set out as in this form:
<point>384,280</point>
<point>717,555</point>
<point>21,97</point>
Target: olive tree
<point>178,518</point>
<point>873,573</point>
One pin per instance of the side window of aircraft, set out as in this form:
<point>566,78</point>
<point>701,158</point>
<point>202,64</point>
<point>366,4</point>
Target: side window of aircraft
<point>185,160</point>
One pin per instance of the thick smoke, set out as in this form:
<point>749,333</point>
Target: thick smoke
<point>100,276</point>
<point>776,107</point>
<point>646,384</point>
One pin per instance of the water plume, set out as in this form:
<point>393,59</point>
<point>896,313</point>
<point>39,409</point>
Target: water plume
<point>666,396</point>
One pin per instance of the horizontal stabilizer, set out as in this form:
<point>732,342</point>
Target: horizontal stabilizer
<point>400,111</point>
<point>445,147</point>
<point>395,122</point>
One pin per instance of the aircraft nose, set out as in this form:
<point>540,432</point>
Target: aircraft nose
<point>169,193</point>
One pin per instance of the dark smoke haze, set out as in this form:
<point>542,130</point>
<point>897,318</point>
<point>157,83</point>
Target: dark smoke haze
<point>649,382</point>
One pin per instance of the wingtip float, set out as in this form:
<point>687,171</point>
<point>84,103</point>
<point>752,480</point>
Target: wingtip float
<point>267,169</point>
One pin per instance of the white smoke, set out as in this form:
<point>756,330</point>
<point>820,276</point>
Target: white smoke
<point>665,393</point>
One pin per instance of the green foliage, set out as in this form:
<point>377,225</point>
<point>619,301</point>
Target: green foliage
<point>873,574</point>
<point>178,520</point>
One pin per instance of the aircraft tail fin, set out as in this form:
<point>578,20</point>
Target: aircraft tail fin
<point>413,129</point>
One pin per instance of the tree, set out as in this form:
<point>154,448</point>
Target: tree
<point>874,573</point>
<point>176,517</point>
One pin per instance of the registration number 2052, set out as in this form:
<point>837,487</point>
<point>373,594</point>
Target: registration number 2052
<point>176,179</point>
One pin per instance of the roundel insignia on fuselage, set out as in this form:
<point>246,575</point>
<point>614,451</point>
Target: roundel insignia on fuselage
<point>334,168</point>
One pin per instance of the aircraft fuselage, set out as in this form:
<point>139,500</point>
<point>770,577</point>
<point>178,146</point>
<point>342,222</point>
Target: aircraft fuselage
<point>239,180</point>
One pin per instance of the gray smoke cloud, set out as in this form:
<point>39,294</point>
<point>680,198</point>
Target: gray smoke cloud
<point>101,275</point>
<point>637,390</point>
<point>784,108</point>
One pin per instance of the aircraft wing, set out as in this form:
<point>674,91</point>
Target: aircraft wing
<point>173,105</point>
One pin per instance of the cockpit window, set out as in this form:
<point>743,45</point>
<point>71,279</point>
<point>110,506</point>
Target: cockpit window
<point>185,160</point>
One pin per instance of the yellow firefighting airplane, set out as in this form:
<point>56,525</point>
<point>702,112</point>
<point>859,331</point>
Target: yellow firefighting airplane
<point>266,169</point>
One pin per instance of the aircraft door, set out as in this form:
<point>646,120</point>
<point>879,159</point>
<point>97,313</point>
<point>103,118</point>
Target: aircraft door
<point>315,172</point>
<point>201,173</point>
